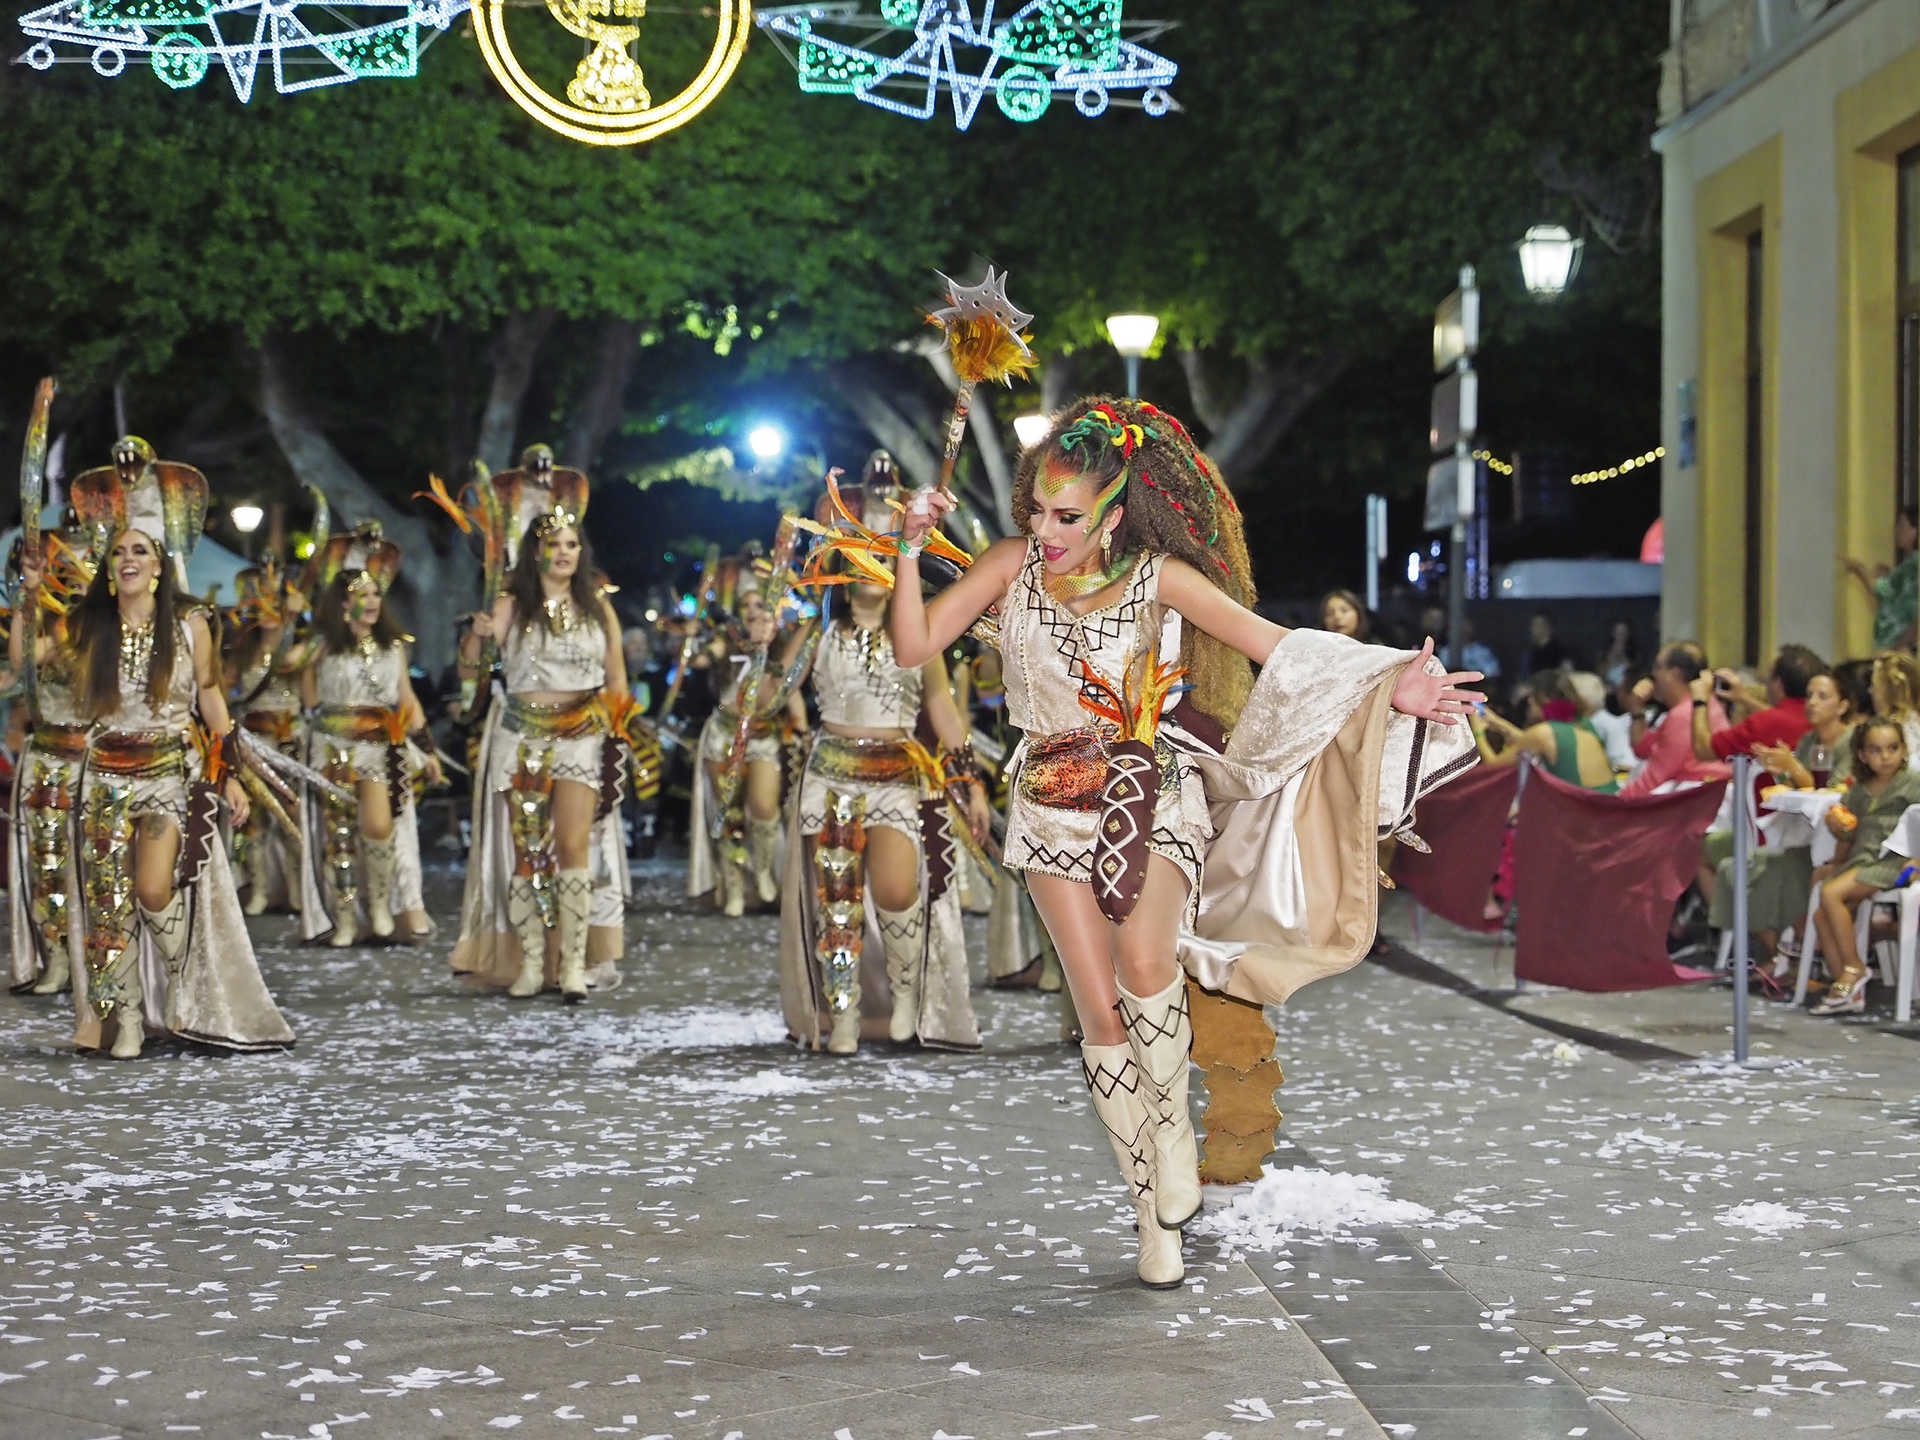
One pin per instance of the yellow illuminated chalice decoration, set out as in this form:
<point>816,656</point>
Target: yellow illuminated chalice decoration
<point>607,101</point>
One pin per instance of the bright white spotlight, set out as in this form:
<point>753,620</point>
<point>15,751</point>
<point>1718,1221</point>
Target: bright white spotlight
<point>766,441</point>
<point>247,518</point>
<point>1030,430</point>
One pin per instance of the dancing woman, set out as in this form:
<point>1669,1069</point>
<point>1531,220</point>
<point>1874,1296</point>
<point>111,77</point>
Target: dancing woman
<point>263,676</point>
<point>735,827</point>
<point>44,889</point>
<point>874,824</point>
<point>545,878</point>
<point>1133,570</point>
<point>362,711</point>
<point>165,943</point>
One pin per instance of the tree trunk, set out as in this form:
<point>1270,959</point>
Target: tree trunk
<point>433,585</point>
<point>918,460</point>
<point>513,352</point>
<point>599,411</point>
<point>1244,432</point>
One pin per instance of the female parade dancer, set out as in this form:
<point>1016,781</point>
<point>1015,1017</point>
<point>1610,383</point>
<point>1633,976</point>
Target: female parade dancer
<point>546,876</point>
<point>165,942</point>
<point>263,676</point>
<point>872,826</point>
<point>362,707</point>
<point>735,827</point>
<point>1134,568</point>
<point>44,893</point>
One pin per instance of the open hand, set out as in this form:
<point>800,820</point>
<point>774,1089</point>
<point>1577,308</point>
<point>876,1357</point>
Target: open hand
<point>1777,758</point>
<point>979,817</point>
<point>1438,698</point>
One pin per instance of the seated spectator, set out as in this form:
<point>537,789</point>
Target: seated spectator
<point>1777,717</point>
<point>1556,733</point>
<point>1621,656</point>
<point>1856,683</point>
<point>1547,653</point>
<point>1883,788</point>
<point>1896,697</point>
<point>1666,746</point>
<point>1613,726</point>
<point>1342,612</point>
<point>1777,879</point>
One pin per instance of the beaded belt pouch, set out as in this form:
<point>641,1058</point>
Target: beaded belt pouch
<point>571,720</point>
<point>139,757</point>
<point>61,742</point>
<point>866,761</point>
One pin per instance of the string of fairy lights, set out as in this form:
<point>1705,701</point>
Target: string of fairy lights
<point>1625,467</point>
<point>1586,477</point>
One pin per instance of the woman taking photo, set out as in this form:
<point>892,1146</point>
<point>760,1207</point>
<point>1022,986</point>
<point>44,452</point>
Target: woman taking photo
<point>1132,571</point>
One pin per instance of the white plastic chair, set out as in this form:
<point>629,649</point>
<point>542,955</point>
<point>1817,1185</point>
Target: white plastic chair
<point>1899,952</point>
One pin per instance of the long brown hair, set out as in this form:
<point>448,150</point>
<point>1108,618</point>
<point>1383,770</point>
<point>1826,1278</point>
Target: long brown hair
<point>93,628</point>
<point>530,600</point>
<point>1175,502</point>
<point>330,616</point>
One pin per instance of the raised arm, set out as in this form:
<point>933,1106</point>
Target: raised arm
<point>919,630</point>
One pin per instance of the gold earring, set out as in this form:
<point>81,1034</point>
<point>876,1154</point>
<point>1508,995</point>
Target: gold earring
<point>153,585</point>
<point>1106,544</point>
<point>113,586</point>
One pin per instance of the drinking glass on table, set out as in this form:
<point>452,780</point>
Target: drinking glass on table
<point>1820,763</point>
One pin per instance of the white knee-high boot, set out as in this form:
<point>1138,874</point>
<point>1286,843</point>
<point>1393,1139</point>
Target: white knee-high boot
<point>903,931</point>
<point>573,898</point>
<point>381,857</point>
<point>1160,1032</point>
<point>1115,1082</point>
<point>523,913</point>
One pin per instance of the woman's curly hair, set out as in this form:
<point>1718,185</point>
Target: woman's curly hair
<point>1174,502</point>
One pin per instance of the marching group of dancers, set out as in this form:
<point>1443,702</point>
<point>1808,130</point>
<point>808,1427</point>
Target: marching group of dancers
<point>1163,814</point>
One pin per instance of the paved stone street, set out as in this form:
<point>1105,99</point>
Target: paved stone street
<point>445,1215</point>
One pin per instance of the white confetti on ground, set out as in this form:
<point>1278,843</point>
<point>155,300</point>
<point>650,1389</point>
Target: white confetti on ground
<point>1308,1201</point>
<point>1763,1217</point>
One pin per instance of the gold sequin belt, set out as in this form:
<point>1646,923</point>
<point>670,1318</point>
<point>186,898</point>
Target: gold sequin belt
<point>569,720</point>
<point>1067,770</point>
<point>361,723</point>
<point>867,760</point>
<point>59,742</point>
<point>139,755</point>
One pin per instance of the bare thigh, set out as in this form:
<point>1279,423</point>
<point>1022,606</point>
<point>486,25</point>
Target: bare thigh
<point>893,869</point>
<point>156,854</point>
<point>763,791</point>
<point>376,809</point>
<point>573,807</point>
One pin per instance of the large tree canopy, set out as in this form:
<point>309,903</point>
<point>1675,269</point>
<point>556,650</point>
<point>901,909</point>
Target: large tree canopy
<point>354,286</point>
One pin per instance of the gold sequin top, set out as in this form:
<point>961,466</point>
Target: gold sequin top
<point>859,686</point>
<point>1042,643</point>
<point>135,714</point>
<point>567,661</point>
<point>368,674</point>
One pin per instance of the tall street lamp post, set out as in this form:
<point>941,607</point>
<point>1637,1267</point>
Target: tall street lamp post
<point>1132,336</point>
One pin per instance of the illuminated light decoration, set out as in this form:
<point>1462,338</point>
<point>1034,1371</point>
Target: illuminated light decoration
<point>1625,467</point>
<point>607,101</point>
<point>905,56</point>
<point>304,43</point>
<point>1494,462</point>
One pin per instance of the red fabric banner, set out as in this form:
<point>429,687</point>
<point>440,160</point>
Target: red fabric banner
<point>1596,878</point>
<point>1464,821</point>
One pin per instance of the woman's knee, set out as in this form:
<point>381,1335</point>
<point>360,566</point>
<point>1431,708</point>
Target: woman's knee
<point>893,869</point>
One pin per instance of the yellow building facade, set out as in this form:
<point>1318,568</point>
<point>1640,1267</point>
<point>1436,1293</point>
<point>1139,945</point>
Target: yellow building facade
<point>1790,152</point>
